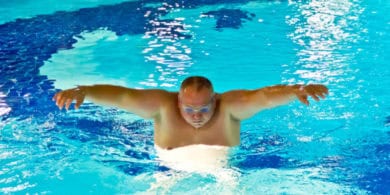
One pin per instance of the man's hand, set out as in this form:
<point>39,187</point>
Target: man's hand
<point>315,91</point>
<point>66,97</point>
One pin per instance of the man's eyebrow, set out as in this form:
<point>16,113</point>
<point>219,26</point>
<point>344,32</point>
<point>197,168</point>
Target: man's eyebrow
<point>204,105</point>
<point>189,105</point>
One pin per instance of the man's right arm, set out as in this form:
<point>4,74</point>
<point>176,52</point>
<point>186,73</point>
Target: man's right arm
<point>145,103</point>
<point>242,104</point>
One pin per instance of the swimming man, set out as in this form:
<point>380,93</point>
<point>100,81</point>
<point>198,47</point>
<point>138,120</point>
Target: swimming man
<point>195,114</point>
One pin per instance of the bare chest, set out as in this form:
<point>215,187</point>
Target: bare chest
<point>173,131</point>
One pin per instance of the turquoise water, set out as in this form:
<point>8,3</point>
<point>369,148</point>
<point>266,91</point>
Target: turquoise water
<point>336,146</point>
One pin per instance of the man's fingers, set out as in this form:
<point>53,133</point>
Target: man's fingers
<point>315,97</point>
<point>325,90</point>
<point>54,97</point>
<point>303,99</point>
<point>322,89</point>
<point>78,103</point>
<point>57,97</point>
<point>322,95</point>
<point>67,103</point>
<point>66,97</point>
<point>316,91</point>
<point>61,102</point>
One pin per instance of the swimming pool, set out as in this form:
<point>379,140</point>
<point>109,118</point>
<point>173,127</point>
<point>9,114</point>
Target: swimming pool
<point>336,146</point>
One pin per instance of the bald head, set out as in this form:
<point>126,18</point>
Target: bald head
<point>197,82</point>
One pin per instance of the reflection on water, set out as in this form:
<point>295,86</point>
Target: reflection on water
<point>324,30</point>
<point>330,38</point>
<point>4,108</point>
<point>326,33</point>
<point>168,51</point>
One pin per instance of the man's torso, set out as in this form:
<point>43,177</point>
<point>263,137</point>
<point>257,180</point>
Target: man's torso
<point>172,131</point>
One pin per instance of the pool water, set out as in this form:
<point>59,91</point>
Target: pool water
<point>336,146</point>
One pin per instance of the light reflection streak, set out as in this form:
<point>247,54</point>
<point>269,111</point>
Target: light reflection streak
<point>4,108</point>
<point>167,49</point>
<point>325,32</point>
<point>322,30</point>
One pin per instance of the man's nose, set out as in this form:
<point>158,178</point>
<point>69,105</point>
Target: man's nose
<point>197,115</point>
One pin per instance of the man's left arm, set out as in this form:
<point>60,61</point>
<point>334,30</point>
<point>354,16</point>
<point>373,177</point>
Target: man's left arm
<point>243,104</point>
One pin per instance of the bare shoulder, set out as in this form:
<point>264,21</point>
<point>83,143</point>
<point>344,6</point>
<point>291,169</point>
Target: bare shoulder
<point>233,100</point>
<point>234,96</point>
<point>147,103</point>
<point>163,96</point>
<point>151,93</point>
<point>237,103</point>
<point>169,94</point>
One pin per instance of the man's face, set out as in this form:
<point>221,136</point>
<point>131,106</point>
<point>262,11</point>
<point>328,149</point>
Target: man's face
<point>196,107</point>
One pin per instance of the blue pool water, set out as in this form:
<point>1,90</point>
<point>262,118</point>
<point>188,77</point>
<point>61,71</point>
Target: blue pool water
<point>336,146</point>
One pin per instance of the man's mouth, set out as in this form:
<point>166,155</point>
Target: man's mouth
<point>197,124</point>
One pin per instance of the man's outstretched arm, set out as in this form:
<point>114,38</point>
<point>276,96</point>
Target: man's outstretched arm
<point>145,103</point>
<point>243,104</point>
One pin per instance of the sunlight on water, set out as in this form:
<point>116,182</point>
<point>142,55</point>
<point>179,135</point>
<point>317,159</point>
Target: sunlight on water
<point>4,108</point>
<point>168,51</point>
<point>327,33</point>
<point>322,29</point>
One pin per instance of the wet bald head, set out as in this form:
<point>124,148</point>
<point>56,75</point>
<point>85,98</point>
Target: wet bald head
<point>197,82</point>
